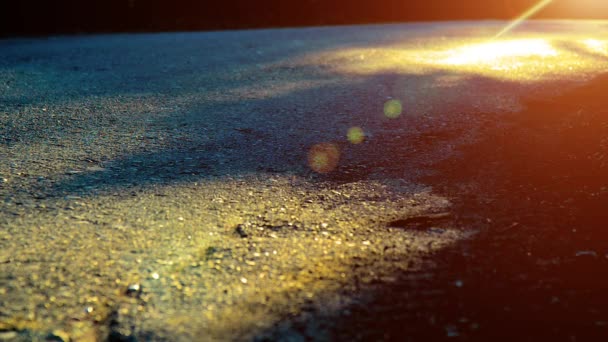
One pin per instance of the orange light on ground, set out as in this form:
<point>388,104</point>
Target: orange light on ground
<point>532,56</point>
<point>323,157</point>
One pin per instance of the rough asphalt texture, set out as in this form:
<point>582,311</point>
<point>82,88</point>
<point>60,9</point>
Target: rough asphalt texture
<point>157,187</point>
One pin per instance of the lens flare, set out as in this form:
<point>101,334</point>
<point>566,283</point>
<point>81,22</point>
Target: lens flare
<point>323,157</point>
<point>392,109</point>
<point>527,14</point>
<point>355,135</point>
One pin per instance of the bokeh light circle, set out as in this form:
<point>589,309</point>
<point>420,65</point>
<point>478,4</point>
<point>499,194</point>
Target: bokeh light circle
<point>392,109</point>
<point>323,157</point>
<point>355,135</point>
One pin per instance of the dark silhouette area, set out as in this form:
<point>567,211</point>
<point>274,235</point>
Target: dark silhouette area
<point>75,17</point>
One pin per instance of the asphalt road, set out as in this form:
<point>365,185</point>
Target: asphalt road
<point>396,182</point>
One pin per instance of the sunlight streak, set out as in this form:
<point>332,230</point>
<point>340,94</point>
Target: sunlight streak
<point>527,14</point>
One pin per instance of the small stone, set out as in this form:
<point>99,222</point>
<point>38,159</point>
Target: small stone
<point>244,280</point>
<point>240,231</point>
<point>155,276</point>
<point>436,230</point>
<point>134,290</point>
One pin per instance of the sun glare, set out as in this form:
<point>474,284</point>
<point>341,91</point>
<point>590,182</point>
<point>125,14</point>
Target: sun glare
<point>497,52</point>
<point>597,46</point>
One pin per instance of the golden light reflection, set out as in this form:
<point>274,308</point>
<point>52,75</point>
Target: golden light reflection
<point>527,58</point>
<point>597,46</point>
<point>323,157</point>
<point>499,52</point>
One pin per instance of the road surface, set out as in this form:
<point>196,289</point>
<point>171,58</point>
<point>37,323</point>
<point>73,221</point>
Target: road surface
<point>396,182</point>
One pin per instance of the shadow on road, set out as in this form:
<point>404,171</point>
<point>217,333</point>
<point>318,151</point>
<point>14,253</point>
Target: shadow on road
<point>275,135</point>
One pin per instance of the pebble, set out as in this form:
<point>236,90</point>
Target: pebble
<point>134,290</point>
<point>240,231</point>
<point>436,230</point>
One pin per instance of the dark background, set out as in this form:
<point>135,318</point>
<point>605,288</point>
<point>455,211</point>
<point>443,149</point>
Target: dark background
<point>27,17</point>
